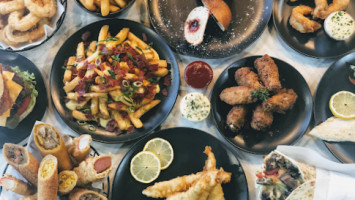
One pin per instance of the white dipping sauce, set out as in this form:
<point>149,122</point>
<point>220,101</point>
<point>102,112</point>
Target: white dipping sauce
<point>195,106</point>
<point>339,25</point>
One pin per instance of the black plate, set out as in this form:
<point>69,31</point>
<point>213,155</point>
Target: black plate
<point>317,44</point>
<point>153,118</point>
<point>65,197</point>
<point>24,129</point>
<point>111,15</point>
<point>59,23</point>
<point>249,18</point>
<point>188,145</point>
<point>334,80</point>
<point>285,129</point>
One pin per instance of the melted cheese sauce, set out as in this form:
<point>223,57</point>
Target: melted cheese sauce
<point>339,25</point>
<point>195,106</point>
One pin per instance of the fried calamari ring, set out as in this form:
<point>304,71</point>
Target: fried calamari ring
<point>42,8</point>
<point>20,23</point>
<point>7,7</point>
<point>4,38</point>
<point>301,23</point>
<point>337,5</point>
<point>26,36</point>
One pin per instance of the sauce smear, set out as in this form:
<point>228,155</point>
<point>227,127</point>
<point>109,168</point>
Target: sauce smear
<point>198,74</point>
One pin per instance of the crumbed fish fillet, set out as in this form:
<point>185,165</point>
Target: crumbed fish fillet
<point>336,130</point>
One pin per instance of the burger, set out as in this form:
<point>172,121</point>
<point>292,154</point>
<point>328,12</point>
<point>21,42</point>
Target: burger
<point>17,95</point>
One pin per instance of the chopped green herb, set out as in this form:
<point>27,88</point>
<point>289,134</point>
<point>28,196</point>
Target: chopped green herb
<point>112,74</point>
<point>261,94</point>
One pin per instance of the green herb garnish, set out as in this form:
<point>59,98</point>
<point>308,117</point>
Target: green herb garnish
<point>260,94</point>
<point>113,75</point>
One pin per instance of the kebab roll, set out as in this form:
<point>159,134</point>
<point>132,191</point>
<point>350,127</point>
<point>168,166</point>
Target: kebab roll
<point>80,194</point>
<point>80,148</point>
<point>67,181</point>
<point>48,178</point>
<point>30,197</point>
<point>49,141</point>
<point>93,169</point>
<point>23,161</point>
<point>18,186</point>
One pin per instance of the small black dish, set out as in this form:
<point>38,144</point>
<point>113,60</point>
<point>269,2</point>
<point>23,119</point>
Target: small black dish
<point>188,145</point>
<point>317,44</point>
<point>152,119</point>
<point>23,130</point>
<point>284,130</point>
<point>94,152</point>
<point>110,15</point>
<point>59,23</point>
<point>249,19</point>
<point>335,79</point>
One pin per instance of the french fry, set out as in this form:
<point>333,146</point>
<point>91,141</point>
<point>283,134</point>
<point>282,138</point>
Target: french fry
<point>88,4</point>
<point>103,34</point>
<point>119,119</point>
<point>94,106</point>
<point>103,107</point>
<point>68,73</point>
<point>91,48</point>
<point>114,8</point>
<point>71,105</point>
<point>118,106</point>
<point>71,85</point>
<point>105,7</point>
<point>135,121</point>
<point>98,88</point>
<point>141,111</point>
<point>160,63</point>
<point>121,36</point>
<point>80,50</point>
<point>121,3</point>
<point>82,103</point>
<point>161,72</point>
<point>79,115</point>
<point>140,42</point>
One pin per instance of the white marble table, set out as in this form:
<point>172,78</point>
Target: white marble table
<point>312,70</point>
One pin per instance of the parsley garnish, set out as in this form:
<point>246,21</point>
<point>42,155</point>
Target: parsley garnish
<point>260,94</point>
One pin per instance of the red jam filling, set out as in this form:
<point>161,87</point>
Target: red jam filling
<point>194,25</point>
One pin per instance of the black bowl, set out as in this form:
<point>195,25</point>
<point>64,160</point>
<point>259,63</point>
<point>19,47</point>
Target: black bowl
<point>335,79</point>
<point>59,23</point>
<point>188,145</point>
<point>110,15</point>
<point>318,44</point>
<point>23,130</point>
<point>284,130</point>
<point>153,118</point>
<point>249,19</point>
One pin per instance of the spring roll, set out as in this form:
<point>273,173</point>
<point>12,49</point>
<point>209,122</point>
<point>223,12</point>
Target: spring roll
<point>18,186</point>
<point>261,119</point>
<point>67,181</point>
<point>246,77</point>
<point>80,148</point>
<point>268,73</point>
<point>93,169</point>
<point>23,161</point>
<point>49,141</point>
<point>79,194</point>
<point>48,178</point>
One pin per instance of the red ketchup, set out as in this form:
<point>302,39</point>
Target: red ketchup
<point>198,74</point>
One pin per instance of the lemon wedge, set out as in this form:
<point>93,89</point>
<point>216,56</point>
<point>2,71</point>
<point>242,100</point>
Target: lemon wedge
<point>145,167</point>
<point>162,149</point>
<point>342,105</point>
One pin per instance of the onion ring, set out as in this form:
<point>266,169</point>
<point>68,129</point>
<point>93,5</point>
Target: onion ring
<point>7,7</point>
<point>42,8</point>
<point>6,40</point>
<point>20,23</point>
<point>301,23</point>
<point>27,36</point>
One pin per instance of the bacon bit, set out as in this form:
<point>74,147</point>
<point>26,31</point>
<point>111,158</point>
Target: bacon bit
<point>91,66</point>
<point>153,67</point>
<point>111,125</point>
<point>116,68</point>
<point>164,92</point>
<point>124,115</point>
<point>73,70</point>
<point>85,36</point>
<point>81,73</point>
<point>141,76</point>
<point>118,131</point>
<point>81,99</point>
<point>130,129</point>
<point>102,87</point>
<point>150,92</point>
<point>82,87</point>
<point>111,82</point>
<point>66,100</point>
<point>89,115</point>
<point>144,37</point>
<point>167,80</point>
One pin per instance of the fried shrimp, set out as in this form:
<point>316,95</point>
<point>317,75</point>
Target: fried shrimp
<point>7,7</point>
<point>22,23</point>
<point>42,8</point>
<point>301,23</point>
<point>337,5</point>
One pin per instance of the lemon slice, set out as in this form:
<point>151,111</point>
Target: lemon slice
<point>162,149</point>
<point>145,167</point>
<point>342,105</point>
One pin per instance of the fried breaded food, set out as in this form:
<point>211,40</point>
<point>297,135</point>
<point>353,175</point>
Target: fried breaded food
<point>236,117</point>
<point>337,5</point>
<point>261,119</point>
<point>210,164</point>
<point>301,23</point>
<point>320,6</point>
<point>237,95</point>
<point>268,73</point>
<point>246,77</point>
<point>280,102</point>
